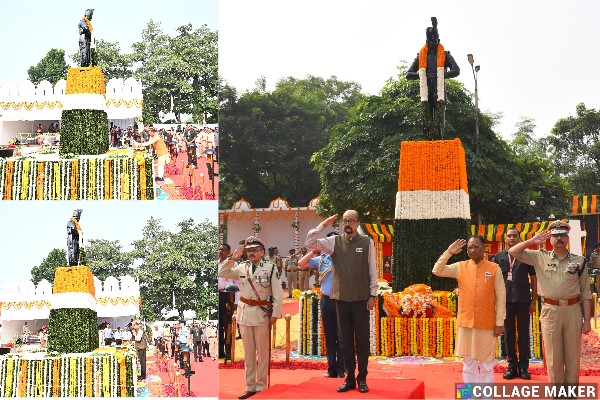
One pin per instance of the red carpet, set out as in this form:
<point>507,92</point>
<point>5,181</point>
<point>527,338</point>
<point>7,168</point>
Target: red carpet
<point>180,186</point>
<point>204,383</point>
<point>326,388</point>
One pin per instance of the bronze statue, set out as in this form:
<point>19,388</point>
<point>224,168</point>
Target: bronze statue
<point>73,231</point>
<point>429,65</point>
<point>85,38</point>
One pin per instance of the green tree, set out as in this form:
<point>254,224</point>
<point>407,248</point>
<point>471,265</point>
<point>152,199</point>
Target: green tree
<point>536,178</point>
<point>56,258</point>
<point>575,150</point>
<point>178,74</point>
<point>180,265</point>
<point>363,154</point>
<point>269,138</point>
<point>197,49</point>
<point>105,258</point>
<point>52,68</point>
<point>108,56</point>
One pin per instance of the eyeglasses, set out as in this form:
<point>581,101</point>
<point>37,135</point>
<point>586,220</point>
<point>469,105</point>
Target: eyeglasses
<point>473,247</point>
<point>557,235</point>
<point>348,221</point>
<point>253,250</point>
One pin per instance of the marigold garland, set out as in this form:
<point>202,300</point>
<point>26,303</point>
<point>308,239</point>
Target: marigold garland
<point>74,279</point>
<point>421,163</point>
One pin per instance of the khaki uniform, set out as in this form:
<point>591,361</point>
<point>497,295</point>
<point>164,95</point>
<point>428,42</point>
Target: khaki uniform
<point>211,333</point>
<point>253,321</point>
<point>291,270</point>
<point>595,264</point>
<point>561,324</point>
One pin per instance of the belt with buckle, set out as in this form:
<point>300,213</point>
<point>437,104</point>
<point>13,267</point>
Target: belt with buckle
<point>254,303</point>
<point>562,302</point>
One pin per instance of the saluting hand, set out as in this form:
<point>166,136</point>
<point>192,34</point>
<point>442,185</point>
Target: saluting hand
<point>541,237</point>
<point>329,221</point>
<point>237,253</point>
<point>457,246</point>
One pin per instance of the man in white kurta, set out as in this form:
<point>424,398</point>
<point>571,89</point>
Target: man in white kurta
<point>481,307</point>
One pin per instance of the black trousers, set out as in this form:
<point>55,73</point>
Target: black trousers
<point>353,324</point>
<point>518,312</point>
<point>191,152</point>
<point>335,360</point>
<point>141,353</point>
<point>198,350</point>
<point>224,319</point>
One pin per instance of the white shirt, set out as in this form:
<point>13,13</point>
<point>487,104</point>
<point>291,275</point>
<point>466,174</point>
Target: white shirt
<point>224,282</point>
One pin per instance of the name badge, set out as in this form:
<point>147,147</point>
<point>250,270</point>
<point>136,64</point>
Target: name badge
<point>359,249</point>
<point>487,274</point>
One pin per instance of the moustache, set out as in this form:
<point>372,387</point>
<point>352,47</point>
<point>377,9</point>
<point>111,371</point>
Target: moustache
<point>560,241</point>
<point>348,229</point>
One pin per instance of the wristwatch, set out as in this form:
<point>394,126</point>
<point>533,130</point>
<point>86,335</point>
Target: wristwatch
<point>371,296</point>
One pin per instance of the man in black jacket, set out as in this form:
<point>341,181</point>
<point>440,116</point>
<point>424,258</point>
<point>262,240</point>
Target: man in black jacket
<point>519,304</point>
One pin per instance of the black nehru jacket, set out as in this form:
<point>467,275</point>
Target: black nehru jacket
<point>517,290</point>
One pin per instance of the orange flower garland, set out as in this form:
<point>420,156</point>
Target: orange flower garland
<point>391,305</point>
<point>421,163</point>
<point>74,279</point>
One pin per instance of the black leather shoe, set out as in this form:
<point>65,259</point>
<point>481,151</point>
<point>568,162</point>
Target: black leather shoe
<point>510,374</point>
<point>362,387</point>
<point>347,386</point>
<point>328,375</point>
<point>525,375</point>
<point>341,375</point>
<point>246,394</point>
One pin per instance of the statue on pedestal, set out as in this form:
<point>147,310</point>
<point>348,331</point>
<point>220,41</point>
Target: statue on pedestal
<point>432,66</point>
<point>85,38</point>
<point>74,232</point>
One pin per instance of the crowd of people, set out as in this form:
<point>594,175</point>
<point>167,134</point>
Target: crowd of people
<point>497,297</point>
<point>189,139</point>
<point>170,340</point>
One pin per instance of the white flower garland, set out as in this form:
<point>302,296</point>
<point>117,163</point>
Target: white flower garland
<point>2,179</point>
<point>135,179</point>
<point>46,181</point>
<point>319,326</point>
<point>17,181</point>
<point>309,342</point>
<point>372,341</point>
<point>301,349</point>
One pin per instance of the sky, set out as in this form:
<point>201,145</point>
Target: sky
<point>30,230</point>
<point>527,50</point>
<point>37,26</point>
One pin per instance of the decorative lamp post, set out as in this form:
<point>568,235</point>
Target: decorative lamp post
<point>210,166</point>
<point>475,70</point>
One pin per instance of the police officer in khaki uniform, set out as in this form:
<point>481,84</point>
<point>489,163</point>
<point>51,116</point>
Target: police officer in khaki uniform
<point>595,264</point>
<point>260,289</point>
<point>303,273</point>
<point>291,270</point>
<point>566,306</point>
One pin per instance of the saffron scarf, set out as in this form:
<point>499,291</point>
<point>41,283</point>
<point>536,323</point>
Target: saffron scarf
<point>441,61</point>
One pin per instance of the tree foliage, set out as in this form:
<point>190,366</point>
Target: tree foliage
<point>268,138</point>
<point>56,258</point>
<point>359,166</point>
<point>575,150</point>
<point>182,264</point>
<point>52,68</point>
<point>182,69</point>
<point>106,258</point>
<point>178,73</point>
